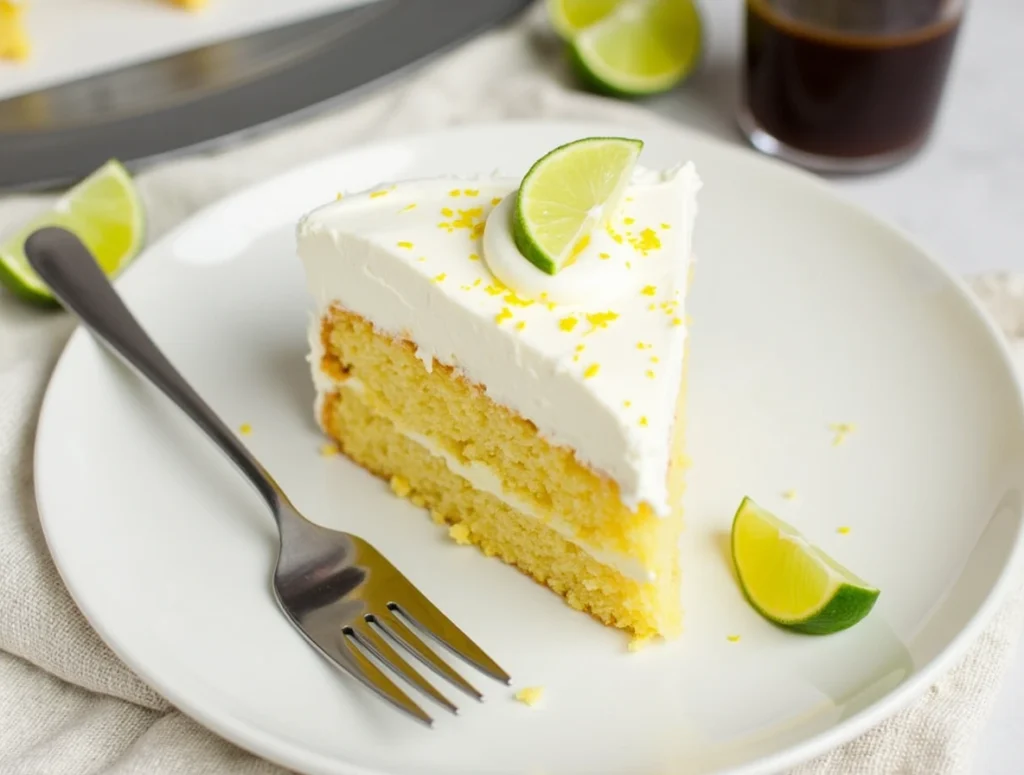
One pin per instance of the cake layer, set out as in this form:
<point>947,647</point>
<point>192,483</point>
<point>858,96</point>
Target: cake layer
<point>458,418</point>
<point>479,517</point>
<point>598,377</point>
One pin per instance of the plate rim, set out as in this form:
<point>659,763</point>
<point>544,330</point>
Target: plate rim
<point>289,755</point>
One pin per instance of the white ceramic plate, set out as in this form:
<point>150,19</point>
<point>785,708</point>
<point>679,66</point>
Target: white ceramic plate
<point>807,312</point>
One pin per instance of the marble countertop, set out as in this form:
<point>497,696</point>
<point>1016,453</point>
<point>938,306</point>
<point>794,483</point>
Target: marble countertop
<point>962,197</point>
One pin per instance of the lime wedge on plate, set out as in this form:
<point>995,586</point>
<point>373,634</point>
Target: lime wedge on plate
<point>104,210</point>
<point>567,194</point>
<point>643,47</point>
<point>570,16</point>
<point>789,581</point>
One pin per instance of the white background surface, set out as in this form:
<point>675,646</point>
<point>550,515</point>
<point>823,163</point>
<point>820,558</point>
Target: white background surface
<point>963,197</point>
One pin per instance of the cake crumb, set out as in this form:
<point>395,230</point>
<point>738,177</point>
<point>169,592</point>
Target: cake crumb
<point>417,500</point>
<point>843,530</point>
<point>245,429</point>
<point>459,533</point>
<point>531,695</point>
<point>639,643</point>
<point>733,638</point>
<point>841,430</point>
<point>329,450</point>
<point>789,495</point>
<point>400,486</point>
<point>435,516</point>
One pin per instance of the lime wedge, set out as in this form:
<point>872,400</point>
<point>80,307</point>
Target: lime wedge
<point>570,16</point>
<point>566,194</point>
<point>789,581</point>
<point>643,47</point>
<point>104,210</point>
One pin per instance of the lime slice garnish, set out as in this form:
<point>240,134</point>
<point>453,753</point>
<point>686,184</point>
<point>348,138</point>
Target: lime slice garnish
<point>643,47</point>
<point>566,194</point>
<point>789,581</point>
<point>104,210</point>
<point>570,16</point>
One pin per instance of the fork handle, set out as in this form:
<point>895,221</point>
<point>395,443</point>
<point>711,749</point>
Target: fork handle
<point>74,277</point>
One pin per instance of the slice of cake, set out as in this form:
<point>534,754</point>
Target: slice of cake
<point>539,416</point>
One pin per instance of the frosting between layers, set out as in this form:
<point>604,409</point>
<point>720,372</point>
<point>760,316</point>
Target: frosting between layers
<point>598,377</point>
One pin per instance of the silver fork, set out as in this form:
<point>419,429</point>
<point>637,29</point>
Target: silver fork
<point>345,598</point>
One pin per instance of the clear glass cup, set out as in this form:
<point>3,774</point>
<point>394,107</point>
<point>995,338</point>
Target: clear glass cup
<point>845,85</point>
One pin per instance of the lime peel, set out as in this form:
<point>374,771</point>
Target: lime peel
<point>644,47</point>
<point>791,582</point>
<point>104,211</point>
<point>567,194</point>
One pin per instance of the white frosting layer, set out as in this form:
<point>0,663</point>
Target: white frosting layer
<point>599,377</point>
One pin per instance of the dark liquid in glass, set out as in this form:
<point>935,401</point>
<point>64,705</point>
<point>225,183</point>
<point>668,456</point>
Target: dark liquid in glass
<point>847,78</point>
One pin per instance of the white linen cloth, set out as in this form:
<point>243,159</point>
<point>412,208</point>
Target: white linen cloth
<point>67,704</point>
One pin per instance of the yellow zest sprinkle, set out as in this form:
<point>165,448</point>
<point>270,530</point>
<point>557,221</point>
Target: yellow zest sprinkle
<point>496,288</point>
<point>629,199</point>
<point>789,495</point>
<point>477,282</point>
<point>447,212</point>
<point>339,197</point>
<point>531,695</point>
<point>652,307</point>
<point>629,265</point>
<point>841,431</point>
<point>422,258</point>
<point>471,192</point>
<point>844,530</point>
<point>400,486</point>
<point>459,533</point>
<point>627,404</point>
<point>629,221</point>
<point>505,314</point>
<point>466,287</point>
<point>245,429</point>
<point>567,324</point>
<point>676,322</point>
<point>446,226</point>
<point>643,421</point>
<point>733,638</point>
<point>613,234</point>
<point>407,208</point>
<point>603,256</point>
<point>328,450</point>
<point>468,218</point>
<point>600,320</point>
<point>406,245</point>
<point>376,194</point>
<point>496,201</point>
<point>576,359</point>
<point>666,225</point>
<point>654,359</point>
<point>478,230</point>
<point>520,325</point>
<point>515,301</point>
<point>649,290</point>
<point>649,374</point>
<point>643,346</point>
<point>440,278</point>
<point>550,305</point>
<point>592,370</point>
<point>580,348</point>
<point>474,257</point>
<point>646,242</point>
<point>455,192</point>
